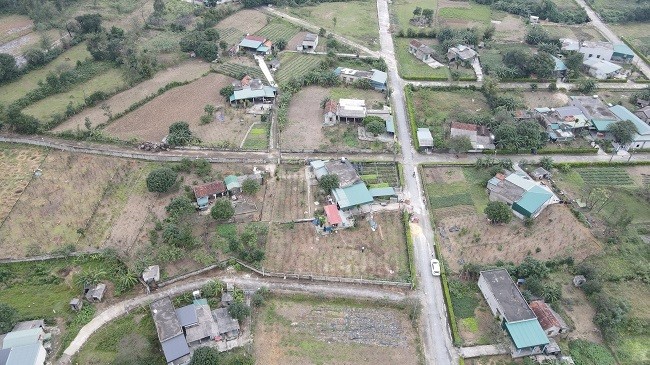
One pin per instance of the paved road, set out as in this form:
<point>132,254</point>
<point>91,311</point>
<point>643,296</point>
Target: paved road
<point>438,347</point>
<point>246,282</point>
<point>610,36</point>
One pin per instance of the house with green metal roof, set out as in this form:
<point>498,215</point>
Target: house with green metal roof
<point>32,354</point>
<point>622,53</point>
<point>532,202</point>
<point>352,196</point>
<point>527,197</point>
<point>256,44</point>
<point>232,184</point>
<point>24,337</point>
<point>641,138</point>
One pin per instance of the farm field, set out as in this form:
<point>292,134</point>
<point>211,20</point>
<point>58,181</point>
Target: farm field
<point>636,33</point>
<point>277,30</point>
<point>62,200</point>
<point>14,26</point>
<point>235,69</point>
<point>258,137</point>
<point>611,176</point>
<point>458,14</point>
<point>295,65</point>
<point>412,68</point>
<point>287,199</point>
<point>243,22</point>
<point>457,198</point>
<point>186,71</point>
<point>378,173</point>
<point>17,165</point>
<point>108,82</point>
<point>304,130</point>
<point>582,31</point>
<point>354,19</point>
<point>292,331</point>
<point>474,318</point>
<point>436,109</point>
<point>151,121</point>
<point>402,11</point>
<point>299,248</point>
<point>508,29</point>
<point>16,89</point>
<point>539,98</point>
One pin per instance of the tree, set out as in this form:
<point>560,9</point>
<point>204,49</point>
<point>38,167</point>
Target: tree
<point>250,186</point>
<point>205,356</point>
<point>586,86</point>
<point>498,212</point>
<point>329,182</point>
<point>542,65</point>
<point>208,50</point>
<point>280,44</point>
<point>72,27</point>
<point>322,32</point>
<point>239,311</point>
<point>536,35</point>
<point>35,57</point>
<point>222,210</point>
<point>427,14</point>
<point>622,131</point>
<point>417,12</point>
<point>376,127</point>
<point>521,135</point>
<point>161,180</point>
<point>459,144</point>
<point>546,162</point>
<point>180,206</point>
<point>227,91</point>
<point>8,68</point>
<point>89,23</point>
<point>488,33</point>
<point>573,61</point>
<point>180,134</point>
<point>158,7</point>
<point>8,317</point>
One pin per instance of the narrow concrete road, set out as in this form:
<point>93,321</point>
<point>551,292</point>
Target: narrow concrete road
<point>265,70</point>
<point>611,36</point>
<point>438,347</point>
<point>246,282</point>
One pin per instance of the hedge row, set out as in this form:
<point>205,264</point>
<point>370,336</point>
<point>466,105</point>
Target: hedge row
<point>410,110</point>
<point>455,335</point>
<point>601,163</point>
<point>564,151</point>
<point>409,249</point>
<point>638,53</point>
<point>424,78</point>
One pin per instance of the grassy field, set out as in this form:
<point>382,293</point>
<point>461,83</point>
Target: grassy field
<point>258,138</point>
<point>236,70</point>
<point>243,22</point>
<point>412,68</point>
<point>108,82</point>
<point>13,91</point>
<point>354,19</point>
<point>636,33</point>
<point>584,31</point>
<point>17,164</point>
<point>278,30</point>
<point>436,109</point>
<point>295,65</point>
<point>475,13</point>
<point>492,58</point>
<point>403,11</point>
<point>300,330</point>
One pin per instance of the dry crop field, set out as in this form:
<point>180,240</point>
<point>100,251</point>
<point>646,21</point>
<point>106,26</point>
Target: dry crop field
<point>151,121</point>
<point>308,331</point>
<point>458,200</point>
<point>305,130</point>
<point>186,71</point>
<point>299,248</point>
<point>243,22</point>
<point>57,205</point>
<point>286,199</point>
<point>17,164</point>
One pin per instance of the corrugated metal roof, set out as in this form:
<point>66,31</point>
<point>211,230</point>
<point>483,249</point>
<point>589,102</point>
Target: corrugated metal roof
<point>376,192</point>
<point>624,114</point>
<point>379,76</point>
<point>332,213</point>
<point>624,49</point>
<point>186,315</point>
<point>232,182</point>
<point>602,125</point>
<point>249,43</point>
<point>602,65</point>
<point>532,200</point>
<point>4,355</point>
<point>390,125</point>
<point>526,333</point>
<point>265,92</point>
<point>352,196</point>
<point>26,355</point>
<point>425,139</point>
<point>20,338</point>
<point>559,65</point>
<point>175,348</point>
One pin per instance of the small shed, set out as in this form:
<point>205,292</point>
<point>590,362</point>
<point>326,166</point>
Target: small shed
<point>227,326</point>
<point>534,19</point>
<point>333,215</point>
<point>425,139</point>
<point>76,304</point>
<point>540,173</point>
<point>151,274</point>
<point>232,184</point>
<point>95,293</point>
<point>329,113</point>
<point>390,127</point>
<point>579,281</point>
<point>551,322</point>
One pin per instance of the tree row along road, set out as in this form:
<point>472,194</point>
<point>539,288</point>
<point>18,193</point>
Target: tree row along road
<point>246,282</point>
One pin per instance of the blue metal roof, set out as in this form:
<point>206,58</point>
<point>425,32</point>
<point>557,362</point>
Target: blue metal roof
<point>175,348</point>
<point>265,92</point>
<point>559,65</point>
<point>352,196</point>
<point>527,333</point>
<point>622,113</point>
<point>263,49</point>
<point>25,355</point>
<point>248,43</point>
<point>623,49</point>
<point>4,355</point>
<point>377,192</point>
<point>24,337</point>
<point>532,200</point>
<point>379,76</point>
<point>390,126</point>
<point>202,201</point>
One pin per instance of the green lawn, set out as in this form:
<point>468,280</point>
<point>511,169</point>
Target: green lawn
<point>13,91</point>
<point>277,30</point>
<point>258,138</point>
<point>403,11</point>
<point>467,192</point>
<point>108,82</point>
<point>354,19</point>
<point>475,13</point>
<point>636,33</point>
<point>412,68</point>
<point>295,65</point>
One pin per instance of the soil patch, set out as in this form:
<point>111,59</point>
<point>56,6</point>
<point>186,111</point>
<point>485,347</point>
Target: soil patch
<point>443,175</point>
<point>540,99</point>
<point>247,21</point>
<point>577,307</point>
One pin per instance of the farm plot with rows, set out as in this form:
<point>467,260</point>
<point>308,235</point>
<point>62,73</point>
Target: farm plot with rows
<point>236,71</point>
<point>378,174</point>
<point>291,331</point>
<point>230,35</point>
<point>278,30</point>
<point>244,22</point>
<point>18,164</point>
<point>300,248</point>
<point>258,137</point>
<point>295,66</point>
<point>457,197</point>
<point>286,199</point>
<point>605,176</point>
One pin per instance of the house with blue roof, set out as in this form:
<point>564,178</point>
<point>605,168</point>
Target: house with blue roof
<point>511,308</point>
<point>560,68</point>
<point>641,138</point>
<point>527,197</point>
<point>255,44</point>
<point>378,79</point>
<point>249,90</point>
<point>622,53</point>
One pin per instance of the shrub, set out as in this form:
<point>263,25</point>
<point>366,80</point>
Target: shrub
<point>498,212</point>
<point>205,356</point>
<point>8,317</point>
<point>329,182</point>
<point>180,206</point>
<point>250,186</point>
<point>180,134</point>
<point>222,210</point>
<point>239,310</point>
<point>161,180</point>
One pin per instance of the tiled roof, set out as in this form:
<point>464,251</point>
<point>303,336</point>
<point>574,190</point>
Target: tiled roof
<point>545,315</point>
<point>215,187</point>
<point>251,37</point>
<point>464,126</point>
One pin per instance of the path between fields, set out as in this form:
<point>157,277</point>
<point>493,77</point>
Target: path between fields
<point>315,28</point>
<point>265,70</point>
<point>246,282</point>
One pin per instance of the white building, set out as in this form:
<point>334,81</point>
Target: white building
<point>601,69</point>
<point>351,109</point>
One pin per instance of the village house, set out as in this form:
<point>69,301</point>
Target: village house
<point>30,354</point>
<point>378,79</point>
<point>329,113</point>
<point>643,114</point>
<point>599,50</point>
<point>352,194</point>
<point>232,184</point>
<point>255,44</point>
<point>26,344</point>
<point>250,90</point>
<point>309,43</point>
<point>526,197</point>
<point>425,139</point>
<point>601,69</point>
<point>420,50</point>
<point>559,132</point>
<point>227,327</point>
<point>461,54</point>
<point>478,135</point>
<point>551,322</point>
<point>641,138</point>
<point>210,191</point>
<point>568,117</point>
<point>170,332</point>
<point>94,293</point>
<point>508,305</point>
<point>560,68</point>
<point>351,110</point>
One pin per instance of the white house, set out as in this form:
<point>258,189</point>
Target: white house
<point>597,50</point>
<point>354,109</point>
<point>601,69</point>
<point>310,42</point>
